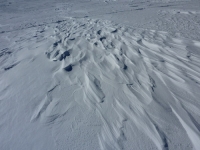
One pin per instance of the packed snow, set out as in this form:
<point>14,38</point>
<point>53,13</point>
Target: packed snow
<point>100,75</point>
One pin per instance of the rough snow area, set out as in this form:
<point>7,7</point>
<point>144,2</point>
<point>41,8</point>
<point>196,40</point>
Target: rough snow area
<point>100,75</point>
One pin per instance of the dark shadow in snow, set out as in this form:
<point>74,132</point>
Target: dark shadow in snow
<point>10,67</point>
<point>139,9</point>
<point>102,38</point>
<point>64,55</point>
<point>125,67</point>
<point>4,52</point>
<point>68,68</point>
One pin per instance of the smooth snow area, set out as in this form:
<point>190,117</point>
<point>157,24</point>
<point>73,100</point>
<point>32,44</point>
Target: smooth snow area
<point>100,75</point>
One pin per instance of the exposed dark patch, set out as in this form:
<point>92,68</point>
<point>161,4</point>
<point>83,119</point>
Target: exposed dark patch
<point>55,44</point>
<point>98,86</point>
<point>165,143</point>
<point>166,5</point>
<point>188,55</point>
<point>99,32</point>
<point>82,25</point>
<point>59,21</point>
<point>121,52</point>
<point>129,84</point>
<point>4,52</point>
<point>115,31</point>
<point>68,68</point>
<point>153,83</point>
<point>139,9</point>
<point>102,38</point>
<point>138,51</point>
<point>162,60</point>
<point>56,53</point>
<point>102,100</point>
<point>134,6</point>
<point>138,81</point>
<point>112,44</point>
<point>72,39</point>
<point>163,137</point>
<point>125,67</point>
<point>64,55</point>
<point>116,57</point>
<point>95,43</point>
<point>124,120</point>
<point>10,67</point>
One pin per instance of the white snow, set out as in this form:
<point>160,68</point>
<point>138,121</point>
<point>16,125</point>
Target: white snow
<point>100,74</point>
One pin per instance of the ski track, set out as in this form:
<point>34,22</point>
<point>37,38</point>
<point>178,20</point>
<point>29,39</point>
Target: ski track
<point>139,82</point>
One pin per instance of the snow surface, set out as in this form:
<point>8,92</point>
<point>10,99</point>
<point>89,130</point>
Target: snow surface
<point>100,74</point>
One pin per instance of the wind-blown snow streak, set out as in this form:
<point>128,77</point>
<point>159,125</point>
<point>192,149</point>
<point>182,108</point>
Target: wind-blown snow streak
<point>143,84</point>
<point>131,78</point>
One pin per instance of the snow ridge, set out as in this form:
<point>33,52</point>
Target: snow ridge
<point>138,82</point>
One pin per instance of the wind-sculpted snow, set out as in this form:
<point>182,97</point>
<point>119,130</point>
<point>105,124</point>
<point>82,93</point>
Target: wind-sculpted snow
<point>142,84</point>
<point>128,88</point>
